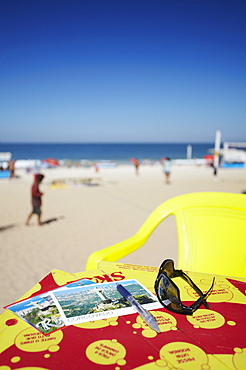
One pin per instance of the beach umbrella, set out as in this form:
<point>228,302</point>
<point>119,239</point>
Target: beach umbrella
<point>209,158</point>
<point>51,161</point>
<point>133,160</point>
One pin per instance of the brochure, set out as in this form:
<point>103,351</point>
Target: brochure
<point>79,302</point>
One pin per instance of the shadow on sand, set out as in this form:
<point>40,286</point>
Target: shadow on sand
<point>3,228</point>
<point>52,220</point>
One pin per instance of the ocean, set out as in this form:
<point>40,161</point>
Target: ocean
<point>120,153</point>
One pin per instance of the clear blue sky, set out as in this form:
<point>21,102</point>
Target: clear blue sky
<point>122,70</point>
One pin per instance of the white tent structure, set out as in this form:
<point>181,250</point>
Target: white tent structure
<point>234,152</point>
<point>5,156</point>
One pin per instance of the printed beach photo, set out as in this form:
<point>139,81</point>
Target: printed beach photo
<point>100,301</point>
<point>40,311</point>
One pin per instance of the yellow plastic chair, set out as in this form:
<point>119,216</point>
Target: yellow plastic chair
<point>211,231</point>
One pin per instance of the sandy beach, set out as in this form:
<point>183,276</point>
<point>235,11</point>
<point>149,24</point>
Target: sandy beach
<point>81,219</point>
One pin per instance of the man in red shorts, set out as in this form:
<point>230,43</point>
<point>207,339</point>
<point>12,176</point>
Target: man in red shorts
<point>36,199</point>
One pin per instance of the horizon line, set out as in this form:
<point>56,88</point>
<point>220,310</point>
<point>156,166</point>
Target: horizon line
<point>107,143</point>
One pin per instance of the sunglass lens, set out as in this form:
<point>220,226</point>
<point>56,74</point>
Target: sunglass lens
<point>167,292</point>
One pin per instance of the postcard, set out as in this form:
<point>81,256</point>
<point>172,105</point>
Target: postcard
<point>79,302</point>
<point>100,301</point>
<point>41,310</point>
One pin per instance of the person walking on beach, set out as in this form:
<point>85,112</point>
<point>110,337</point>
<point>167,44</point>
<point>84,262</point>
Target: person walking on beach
<point>12,169</point>
<point>167,169</point>
<point>136,163</point>
<point>36,199</point>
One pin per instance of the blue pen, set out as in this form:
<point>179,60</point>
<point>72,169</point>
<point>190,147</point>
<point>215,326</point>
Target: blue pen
<point>145,315</point>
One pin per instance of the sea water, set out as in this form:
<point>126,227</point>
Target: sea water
<point>120,153</point>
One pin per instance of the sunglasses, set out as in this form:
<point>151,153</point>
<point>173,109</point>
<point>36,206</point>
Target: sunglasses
<point>168,293</point>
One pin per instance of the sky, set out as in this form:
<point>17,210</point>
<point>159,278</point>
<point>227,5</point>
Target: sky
<point>122,70</point>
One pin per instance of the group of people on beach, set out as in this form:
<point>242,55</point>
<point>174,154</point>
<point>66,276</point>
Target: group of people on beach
<point>166,167</point>
<point>36,194</point>
<point>8,166</point>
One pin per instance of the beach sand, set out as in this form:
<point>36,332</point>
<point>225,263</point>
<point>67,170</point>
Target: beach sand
<point>83,219</point>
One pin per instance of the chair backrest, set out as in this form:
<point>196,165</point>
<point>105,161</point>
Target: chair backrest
<point>211,233</point>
